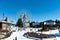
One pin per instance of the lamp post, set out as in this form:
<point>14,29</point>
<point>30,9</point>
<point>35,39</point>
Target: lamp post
<point>6,27</point>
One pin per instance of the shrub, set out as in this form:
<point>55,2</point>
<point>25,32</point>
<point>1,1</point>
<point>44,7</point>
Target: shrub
<point>4,31</point>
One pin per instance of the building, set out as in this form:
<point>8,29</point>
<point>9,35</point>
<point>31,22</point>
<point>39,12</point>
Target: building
<point>35,24</point>
<point>5,24</point>
<point>49,22</point>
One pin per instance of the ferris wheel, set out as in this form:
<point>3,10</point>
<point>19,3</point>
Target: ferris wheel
<point>22,13</point>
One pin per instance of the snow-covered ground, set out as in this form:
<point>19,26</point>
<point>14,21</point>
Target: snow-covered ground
<point>19,34</point>
<point>49,32</point>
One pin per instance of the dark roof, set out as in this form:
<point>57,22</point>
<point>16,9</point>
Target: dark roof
<point>5,19</point>
<point>49,21</point>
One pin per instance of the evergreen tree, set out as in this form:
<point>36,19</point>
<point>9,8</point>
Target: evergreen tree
<point>19,23</point>
<point>57,22</point>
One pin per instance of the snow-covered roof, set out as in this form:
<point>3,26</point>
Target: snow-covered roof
<point>7,20</point>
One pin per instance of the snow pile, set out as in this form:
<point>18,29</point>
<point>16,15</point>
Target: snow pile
<point>49,32</point>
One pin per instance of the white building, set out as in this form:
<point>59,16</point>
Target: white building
<point>49,22</point>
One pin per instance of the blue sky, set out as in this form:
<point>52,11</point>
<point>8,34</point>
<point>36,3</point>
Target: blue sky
<point>39,10</point>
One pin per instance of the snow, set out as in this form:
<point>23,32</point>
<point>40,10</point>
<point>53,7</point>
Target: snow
<point>51,32</point>
<point>19,34</point>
